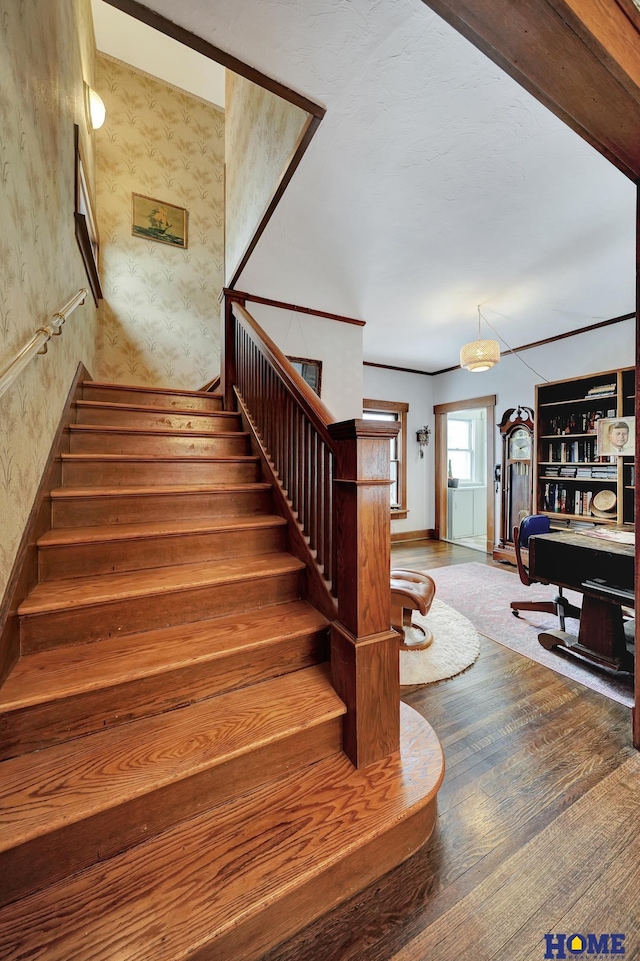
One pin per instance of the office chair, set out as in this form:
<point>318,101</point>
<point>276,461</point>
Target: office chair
<point>537,524</point>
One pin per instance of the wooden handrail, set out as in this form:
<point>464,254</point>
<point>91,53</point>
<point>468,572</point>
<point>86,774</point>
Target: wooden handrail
<point>242,297</point>
<point>38,342</point>
<point>319,415</point>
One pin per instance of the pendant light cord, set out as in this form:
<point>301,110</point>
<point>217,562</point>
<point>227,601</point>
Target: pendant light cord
<point>511,349</point>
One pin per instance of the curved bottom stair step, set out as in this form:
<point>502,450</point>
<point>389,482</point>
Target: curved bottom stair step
<point>232,883</point>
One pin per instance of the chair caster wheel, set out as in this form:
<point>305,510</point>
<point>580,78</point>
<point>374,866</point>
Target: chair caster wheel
<point>516,613</point>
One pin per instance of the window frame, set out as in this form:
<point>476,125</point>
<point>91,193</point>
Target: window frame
<point>400,409</point>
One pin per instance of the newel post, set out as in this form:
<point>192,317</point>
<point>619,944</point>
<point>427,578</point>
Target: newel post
<point>228,352</point>
<point>364,649</point>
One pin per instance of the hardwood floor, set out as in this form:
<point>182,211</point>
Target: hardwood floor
<point>538,821</point>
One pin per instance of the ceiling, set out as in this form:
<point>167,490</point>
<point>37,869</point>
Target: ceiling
<point>434,183</point>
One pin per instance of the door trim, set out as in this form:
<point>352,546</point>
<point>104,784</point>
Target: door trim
<point>488,402</point>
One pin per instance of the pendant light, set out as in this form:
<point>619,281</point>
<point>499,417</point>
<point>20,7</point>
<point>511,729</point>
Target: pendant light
<point>480,354</point>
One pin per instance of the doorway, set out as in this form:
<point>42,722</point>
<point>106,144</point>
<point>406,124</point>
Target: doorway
<point>464,483</point>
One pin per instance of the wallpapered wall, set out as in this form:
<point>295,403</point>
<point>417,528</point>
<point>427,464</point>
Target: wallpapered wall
<point>261,132</point>
<point>45,50</point>
<point>160,318</point>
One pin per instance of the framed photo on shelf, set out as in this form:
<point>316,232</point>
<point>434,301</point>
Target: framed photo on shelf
<point>158,220</point>
<point>85,220</point>
<point>617,436</point>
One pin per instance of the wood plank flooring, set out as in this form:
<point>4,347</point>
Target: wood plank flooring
<point>538,821</point>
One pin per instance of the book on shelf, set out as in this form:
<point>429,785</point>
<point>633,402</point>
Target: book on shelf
<point>601,389</point>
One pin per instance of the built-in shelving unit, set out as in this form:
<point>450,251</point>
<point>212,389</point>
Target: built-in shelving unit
<point>570,469</point>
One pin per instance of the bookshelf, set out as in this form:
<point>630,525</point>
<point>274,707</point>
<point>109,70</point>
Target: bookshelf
<point>575,482</point>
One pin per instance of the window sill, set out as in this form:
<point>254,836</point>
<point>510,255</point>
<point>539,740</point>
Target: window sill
<point>397,514</point>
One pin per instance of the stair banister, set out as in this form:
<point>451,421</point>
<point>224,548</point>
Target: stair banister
<point>336,477</point>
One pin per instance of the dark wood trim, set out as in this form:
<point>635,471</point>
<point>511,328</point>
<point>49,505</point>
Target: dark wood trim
<point>398,537</point>
<point>24,575</point>
<point>192,40</point>
<point>577,57</point>
<point>291,166</point>
<point>397,406</point>
<point>550,340</point>
<point>86,250</point>
<point>402,409</point>
<point>488,400</point>
<point>441,411</point>
<point>636,493</point>
<point>317,588</point>
<point>404,370</point>
<point>241,297</point>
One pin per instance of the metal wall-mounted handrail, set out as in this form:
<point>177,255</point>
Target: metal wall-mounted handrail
<point>38,343</point>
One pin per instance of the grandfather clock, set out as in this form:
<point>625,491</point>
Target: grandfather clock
<point>514,475</point>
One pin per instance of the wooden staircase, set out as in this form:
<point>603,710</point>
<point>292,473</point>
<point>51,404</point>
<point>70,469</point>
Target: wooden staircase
<point>172,782</point>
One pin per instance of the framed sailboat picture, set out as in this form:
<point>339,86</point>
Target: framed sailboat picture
<point>158,220</point>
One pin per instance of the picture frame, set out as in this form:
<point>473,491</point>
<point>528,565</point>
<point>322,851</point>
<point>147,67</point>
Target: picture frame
<point>86,227</point>
<point>158,220</point>
<point>310,371</point>
<point>617,436</point>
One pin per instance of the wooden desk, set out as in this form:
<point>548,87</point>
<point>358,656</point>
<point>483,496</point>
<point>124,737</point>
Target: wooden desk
<point>576,560</point>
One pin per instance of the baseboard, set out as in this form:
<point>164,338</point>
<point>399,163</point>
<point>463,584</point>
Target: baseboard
<point>426,535</point>
<point>24,575</point>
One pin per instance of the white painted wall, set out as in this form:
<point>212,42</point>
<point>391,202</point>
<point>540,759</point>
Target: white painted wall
<point>337,345</point>
<point>513,383</point>
<point>415,390</point>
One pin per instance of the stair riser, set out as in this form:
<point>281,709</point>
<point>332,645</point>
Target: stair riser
<point>129,615</point>
<point>134,555</point>
<point>301,904</point>
<point>150,473</point>
<point>168,445</point>
<point>56,855</point>
<point>131,508</point>
<point>34,728</point>
<point>151,398</point>
<point>100,416</point>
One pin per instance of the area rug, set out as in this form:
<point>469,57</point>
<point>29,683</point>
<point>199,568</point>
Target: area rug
<point>483,595</point>
<point>455,647</point>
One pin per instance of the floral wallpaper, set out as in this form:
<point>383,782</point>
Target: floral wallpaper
<point>46,51</point>
<point>261,132</point>
<point>160,317</point>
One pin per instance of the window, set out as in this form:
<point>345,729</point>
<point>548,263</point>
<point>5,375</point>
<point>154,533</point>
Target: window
<point>465,446</point>
<point>396,412</point>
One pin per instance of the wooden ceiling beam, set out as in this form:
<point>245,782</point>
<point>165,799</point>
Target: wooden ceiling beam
<point>580,58</point>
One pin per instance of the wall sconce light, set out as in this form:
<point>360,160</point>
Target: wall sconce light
<point>480,354</point>
<point>94,107</point>
<point>422,436</point>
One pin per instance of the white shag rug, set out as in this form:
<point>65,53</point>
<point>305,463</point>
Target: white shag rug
<point>456,645</point>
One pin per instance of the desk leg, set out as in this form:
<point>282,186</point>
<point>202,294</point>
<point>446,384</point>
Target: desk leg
<point>601,637</point>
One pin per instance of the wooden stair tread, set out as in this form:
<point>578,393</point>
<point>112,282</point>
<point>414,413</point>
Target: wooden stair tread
<point>112,429</point>
<point>170,391</point>
<point>144,490</point>
<point>76,592</point>
<point>143,408</point>
<point>66,671</point>
<point>160,458</point>
<point>45,791</point>
<point>203,881</point>
<point>111,532</point>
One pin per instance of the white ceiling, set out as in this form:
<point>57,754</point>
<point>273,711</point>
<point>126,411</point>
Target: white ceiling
<point>434,183</point>
<point>126,39</point>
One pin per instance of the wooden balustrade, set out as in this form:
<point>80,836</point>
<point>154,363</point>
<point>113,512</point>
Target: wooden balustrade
<point>336,479</point>
<point>292,425</point>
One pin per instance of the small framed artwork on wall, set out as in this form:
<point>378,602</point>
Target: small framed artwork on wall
<point>158,220</point>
